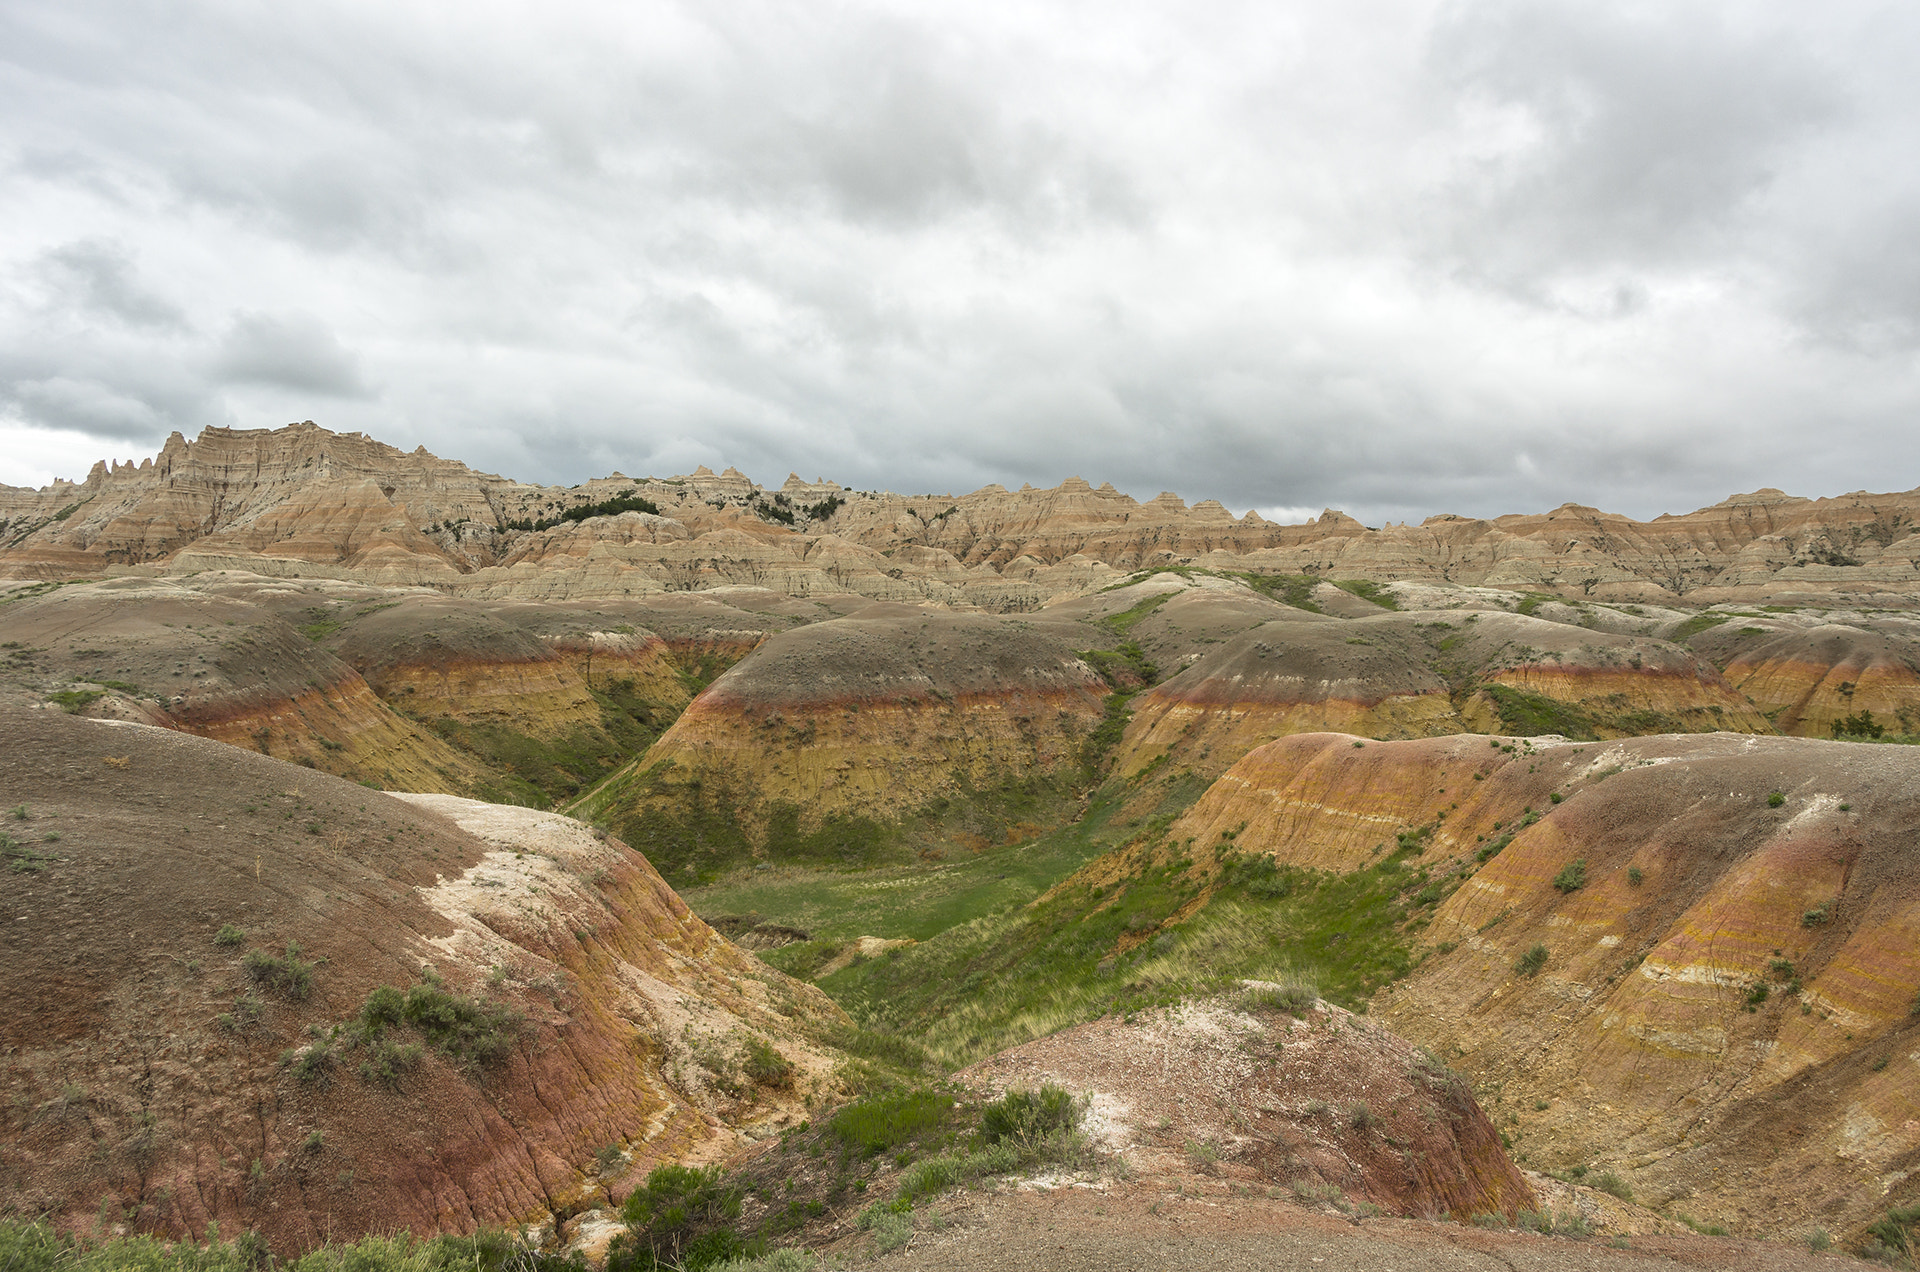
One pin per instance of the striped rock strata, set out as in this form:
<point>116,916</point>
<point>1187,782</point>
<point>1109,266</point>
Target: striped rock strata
<point>1723,1007</point>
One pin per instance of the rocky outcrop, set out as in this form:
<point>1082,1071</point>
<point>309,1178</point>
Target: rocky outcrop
<point>1690,960</point>
<point>197,934</point>
<point>305,502</point>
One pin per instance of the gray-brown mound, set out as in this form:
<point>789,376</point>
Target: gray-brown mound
<point>1315,1100</point>
<point>193,936</point>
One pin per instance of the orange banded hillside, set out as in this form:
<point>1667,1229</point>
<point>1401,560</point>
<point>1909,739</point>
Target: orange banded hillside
<point>1693,960</point>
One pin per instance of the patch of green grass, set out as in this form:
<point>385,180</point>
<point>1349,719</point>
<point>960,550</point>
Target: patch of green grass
<point>881,1123</point>
<point>1369,591</point>
<point>1530,715</point>
<point>39,1247</point>
<point>1128,619</point>
<point>73,701</point>
<point>914,901</point>
<point>1531,963</point>
<point>1695,625</point>
<point>1289,589</point>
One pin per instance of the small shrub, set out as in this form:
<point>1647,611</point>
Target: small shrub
<point>1775,799</point>
<point>229,936</point>
<point>313,1064</point>
<point>1530,963</point>
<point>1292,998</point>
<point>1756,994</point>
<point>891,1229</point>
<point>1361,1117</point>
<point>1635,876</point>
<point>765,1065</point>
<point>1816,916</point>
<point>1555,797</point>
<point>468,1031</point>
<point>1572,876</point>
<point>1818,1240</point>
<point>1040,1125</point>
<point>1608,1182</point>
<point>290,976</point>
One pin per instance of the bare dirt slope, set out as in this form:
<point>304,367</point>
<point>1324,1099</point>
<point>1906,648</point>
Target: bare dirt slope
<point>578,1022</point>
<point>1317,1100</point>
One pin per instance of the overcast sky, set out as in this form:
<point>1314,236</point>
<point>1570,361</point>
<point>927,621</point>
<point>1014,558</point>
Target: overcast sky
<point>1389,256</point>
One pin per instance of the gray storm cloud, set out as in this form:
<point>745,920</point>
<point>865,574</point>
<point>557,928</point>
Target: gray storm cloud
<point>1368,256</point>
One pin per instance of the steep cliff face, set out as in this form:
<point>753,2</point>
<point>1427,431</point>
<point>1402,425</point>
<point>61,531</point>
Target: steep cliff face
<point>304,502</point>
<point>1666,971</point>
<point>569,1002</point>
<point>868,718</point>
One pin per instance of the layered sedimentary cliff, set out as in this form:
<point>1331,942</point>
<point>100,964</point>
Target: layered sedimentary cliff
<point>1691,960</point>
<point>870,717</point>
<point>195,939</point>
<point>302,501</point>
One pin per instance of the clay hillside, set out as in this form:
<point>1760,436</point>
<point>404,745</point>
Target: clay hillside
<point>676,873</point>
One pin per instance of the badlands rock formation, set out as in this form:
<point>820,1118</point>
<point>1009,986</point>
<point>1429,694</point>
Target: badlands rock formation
<point>1690,960</point>
<point>301,501</point>
<point>867,718</point>
<point>175,1075</point>
<point>1812,672</point>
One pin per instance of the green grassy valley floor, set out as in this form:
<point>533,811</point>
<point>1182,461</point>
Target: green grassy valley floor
<point>1007,945</point>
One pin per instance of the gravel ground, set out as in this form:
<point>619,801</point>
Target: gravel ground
<point>1139,1226</point>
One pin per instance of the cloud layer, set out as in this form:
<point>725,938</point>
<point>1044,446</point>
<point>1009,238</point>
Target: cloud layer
<point>1397,257</point>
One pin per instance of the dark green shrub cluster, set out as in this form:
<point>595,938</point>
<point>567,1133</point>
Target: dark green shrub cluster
<point>625,501</point>
<point>670,1221</point>
<point>289,976</point>
<point>1858,725</point>
<point>469,1031</point>
<point>229,936</point>
<point>1258,876</point>
<point>1776,799</point>
<point>832,504</point>
<point>1895,1233</point>
<point>1530,963</point>
<point>1572,876</point>
<point>1030,1119</point>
